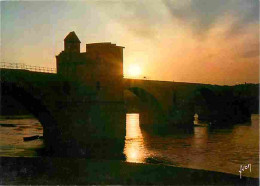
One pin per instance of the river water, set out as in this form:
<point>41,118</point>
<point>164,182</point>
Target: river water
<point>222,150</point>
<point>12,132</point>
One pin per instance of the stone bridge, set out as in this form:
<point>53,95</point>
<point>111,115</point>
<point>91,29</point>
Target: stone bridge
<point>76,121</point>
<point>83,106</point>
<point>176,103</point>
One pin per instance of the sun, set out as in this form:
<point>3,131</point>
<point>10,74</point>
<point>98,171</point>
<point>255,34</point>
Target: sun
<point>134,70</point>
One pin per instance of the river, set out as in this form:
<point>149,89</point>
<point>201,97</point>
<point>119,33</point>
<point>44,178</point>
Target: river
<point>222,150</point>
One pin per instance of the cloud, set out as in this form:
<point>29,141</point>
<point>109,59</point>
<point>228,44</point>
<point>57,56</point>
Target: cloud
<point>137,17</point>
<point>194,41</point>
<point>201,15</point>
<point>145,18</point>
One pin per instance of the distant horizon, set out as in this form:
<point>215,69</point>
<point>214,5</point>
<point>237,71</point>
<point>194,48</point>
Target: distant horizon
<point>190,41</point>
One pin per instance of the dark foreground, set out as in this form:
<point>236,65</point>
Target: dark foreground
<point>81,171</point>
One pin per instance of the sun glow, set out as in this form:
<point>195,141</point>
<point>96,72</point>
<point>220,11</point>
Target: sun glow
<point>134,71</point>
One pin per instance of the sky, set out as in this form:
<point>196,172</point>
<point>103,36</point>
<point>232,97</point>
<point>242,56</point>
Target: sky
<point>201,41</point>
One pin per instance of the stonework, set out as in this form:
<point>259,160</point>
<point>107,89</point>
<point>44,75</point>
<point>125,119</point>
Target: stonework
<point>100,67</point>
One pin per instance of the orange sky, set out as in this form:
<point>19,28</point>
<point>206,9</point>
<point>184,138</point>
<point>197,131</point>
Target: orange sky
<point>214,42</point>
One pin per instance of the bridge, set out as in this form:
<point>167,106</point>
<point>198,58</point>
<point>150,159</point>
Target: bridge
<point>83,105</point>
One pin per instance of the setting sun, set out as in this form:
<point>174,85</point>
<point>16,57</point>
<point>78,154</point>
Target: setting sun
<point>134,70</point>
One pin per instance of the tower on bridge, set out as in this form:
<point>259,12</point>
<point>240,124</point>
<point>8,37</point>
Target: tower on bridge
<point>72,43</point>
<point>100,67</point>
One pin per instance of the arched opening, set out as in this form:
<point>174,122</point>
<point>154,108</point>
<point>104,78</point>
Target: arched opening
<point>25,122</point>
<point>140,101</point>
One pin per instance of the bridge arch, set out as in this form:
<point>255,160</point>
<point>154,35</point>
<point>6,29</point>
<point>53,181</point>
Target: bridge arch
<point>155,113</point>
<point>35,106</point>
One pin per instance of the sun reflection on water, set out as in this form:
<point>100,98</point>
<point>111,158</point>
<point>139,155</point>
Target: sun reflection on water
<point>134,143</point>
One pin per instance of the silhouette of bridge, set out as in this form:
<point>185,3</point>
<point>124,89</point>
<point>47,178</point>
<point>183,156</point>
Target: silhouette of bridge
<point>83,106</point>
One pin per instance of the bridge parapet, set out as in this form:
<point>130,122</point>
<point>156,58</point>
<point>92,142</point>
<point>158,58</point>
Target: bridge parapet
<point>22,66</point>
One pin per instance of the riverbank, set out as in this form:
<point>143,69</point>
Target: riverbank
<point>69,171</point>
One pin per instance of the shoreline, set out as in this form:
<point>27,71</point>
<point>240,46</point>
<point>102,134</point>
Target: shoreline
<point>50,170</point>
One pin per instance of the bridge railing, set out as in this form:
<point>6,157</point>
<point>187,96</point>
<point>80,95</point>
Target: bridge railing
<point>22,66</point>
<point>5,65</point>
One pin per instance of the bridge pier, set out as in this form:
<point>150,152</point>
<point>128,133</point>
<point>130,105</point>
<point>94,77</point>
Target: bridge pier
<point>90,129</point>
<point>182,119</point>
